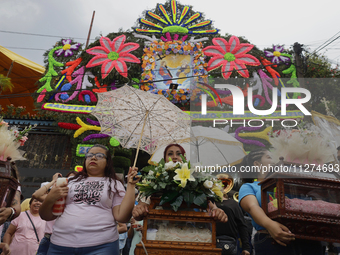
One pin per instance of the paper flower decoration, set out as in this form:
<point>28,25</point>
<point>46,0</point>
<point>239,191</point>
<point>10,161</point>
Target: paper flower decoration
<point>277,55</point>
<point>11,139</point>
<point>113,55</point>
<point>67,48</point>
<point>230,55</point>
<point>152,53</point>
<point>172,24</point>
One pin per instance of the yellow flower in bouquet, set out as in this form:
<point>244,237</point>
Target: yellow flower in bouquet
<point>177,183</point>
<point>184,174</point>
<point>217,189</point>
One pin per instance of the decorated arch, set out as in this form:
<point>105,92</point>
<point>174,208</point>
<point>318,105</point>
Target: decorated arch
<point>174,51</point>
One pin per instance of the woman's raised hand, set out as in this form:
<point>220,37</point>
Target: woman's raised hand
<point>133,176</point>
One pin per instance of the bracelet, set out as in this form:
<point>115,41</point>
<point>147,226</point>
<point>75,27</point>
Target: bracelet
<point>12,214</point>
<point>46,188</point>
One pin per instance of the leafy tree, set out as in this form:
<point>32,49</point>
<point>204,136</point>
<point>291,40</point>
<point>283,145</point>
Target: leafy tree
<point>5,83</point>
<point>323,81</point>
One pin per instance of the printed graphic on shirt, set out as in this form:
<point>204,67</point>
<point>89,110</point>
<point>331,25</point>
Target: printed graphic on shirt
<point>88,192</point>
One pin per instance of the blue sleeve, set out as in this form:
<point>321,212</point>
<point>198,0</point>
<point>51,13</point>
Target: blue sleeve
<point>245,190</point>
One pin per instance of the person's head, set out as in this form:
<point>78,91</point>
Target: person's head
<point>173,151</point>
<point>98,162</point>
<point>34,206</point>
<point>338,153</point>
<point>71,174</point>
<point>259,158</point>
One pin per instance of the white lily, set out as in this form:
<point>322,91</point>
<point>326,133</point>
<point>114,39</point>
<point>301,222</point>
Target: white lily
<point>184,174</point>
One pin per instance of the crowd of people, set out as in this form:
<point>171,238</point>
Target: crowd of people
<point>102,216</point>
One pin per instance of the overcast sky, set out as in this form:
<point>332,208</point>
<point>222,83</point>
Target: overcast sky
<point>262,22</point>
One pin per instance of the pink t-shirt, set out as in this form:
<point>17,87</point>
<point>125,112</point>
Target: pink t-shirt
<point>25,240</point>
<point>87,219</point>
<point>49,226</point>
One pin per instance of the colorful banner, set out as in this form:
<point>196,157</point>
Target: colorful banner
<point>68,108</point>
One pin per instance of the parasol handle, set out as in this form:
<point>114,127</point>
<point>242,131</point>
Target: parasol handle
<point>140,138</point>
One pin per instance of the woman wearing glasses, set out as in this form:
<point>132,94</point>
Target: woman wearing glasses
<point>95,200</point>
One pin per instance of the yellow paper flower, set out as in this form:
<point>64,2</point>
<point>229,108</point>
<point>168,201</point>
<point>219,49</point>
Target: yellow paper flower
<point>184,174</point>
<point>217,191</point>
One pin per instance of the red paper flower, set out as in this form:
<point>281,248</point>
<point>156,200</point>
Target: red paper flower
<point>230,55</point>
<point>113,55</point>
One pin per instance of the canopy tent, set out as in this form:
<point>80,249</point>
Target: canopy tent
<point>24,74</point>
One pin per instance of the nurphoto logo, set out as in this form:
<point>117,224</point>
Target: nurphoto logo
<point>238,105</point>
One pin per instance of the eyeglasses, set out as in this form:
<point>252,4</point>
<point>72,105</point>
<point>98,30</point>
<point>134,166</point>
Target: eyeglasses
<point>97,155</point>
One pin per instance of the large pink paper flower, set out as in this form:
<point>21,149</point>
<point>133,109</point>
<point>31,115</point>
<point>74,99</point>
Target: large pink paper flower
<point>113,55</point>
<point>230,55</point>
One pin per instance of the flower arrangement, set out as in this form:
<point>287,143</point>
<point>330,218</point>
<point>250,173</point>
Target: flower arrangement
<point>178,183</point>
<point>305,145</point>
<point>11,139</point>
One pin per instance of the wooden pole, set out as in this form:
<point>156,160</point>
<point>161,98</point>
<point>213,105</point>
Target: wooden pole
<point>299,63</point>
<point>140,138</point>
<point>88,37</point>
<point>10,69</point>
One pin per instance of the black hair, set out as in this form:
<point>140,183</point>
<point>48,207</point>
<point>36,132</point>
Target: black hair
<point>249,160</point>
<point>108,172</point>
<point>31,201</point>
<point>338,148</point>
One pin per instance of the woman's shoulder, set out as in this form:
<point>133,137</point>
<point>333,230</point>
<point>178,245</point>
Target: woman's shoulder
<point>249,189</point>
<point>116,184</point>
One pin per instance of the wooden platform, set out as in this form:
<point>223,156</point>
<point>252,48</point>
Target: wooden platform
<point>165,247</point>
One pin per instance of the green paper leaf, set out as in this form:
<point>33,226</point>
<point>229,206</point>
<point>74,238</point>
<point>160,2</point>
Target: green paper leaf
<point>148,168</point>
<point>161,162</point>
<point>162,185</point>
<point>168,197</point>
<point>188,197</point>
<point>114,142</point>
<point>201,200</point>
<point>192,184</point>
<point>175,205</point>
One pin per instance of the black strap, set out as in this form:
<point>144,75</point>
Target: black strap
<point>35,231</point>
